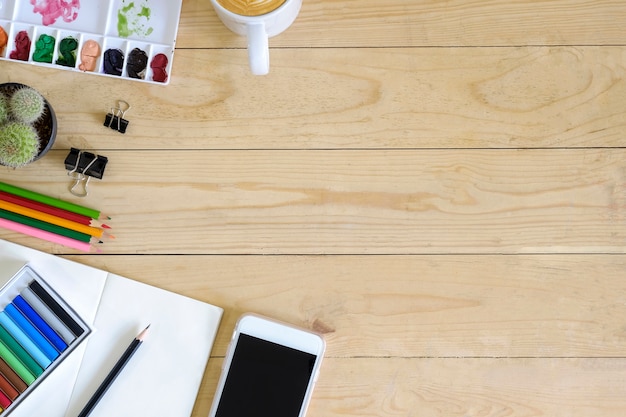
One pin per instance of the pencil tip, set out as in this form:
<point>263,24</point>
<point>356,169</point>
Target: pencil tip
<point>142,335</point>
<point>105,226</point>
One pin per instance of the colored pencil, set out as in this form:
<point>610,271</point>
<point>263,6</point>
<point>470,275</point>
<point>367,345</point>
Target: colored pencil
<point>24,211</point>
<point>54,211</point>
<point>55,202</point>
<point>48,227</point>
<point>42,234</point>
<point>108,381</point>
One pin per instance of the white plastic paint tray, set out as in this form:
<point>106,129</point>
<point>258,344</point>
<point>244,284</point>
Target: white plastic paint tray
<point>123,25</point>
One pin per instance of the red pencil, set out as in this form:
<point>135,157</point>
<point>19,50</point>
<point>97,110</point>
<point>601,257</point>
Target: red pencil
<point>54,211</point>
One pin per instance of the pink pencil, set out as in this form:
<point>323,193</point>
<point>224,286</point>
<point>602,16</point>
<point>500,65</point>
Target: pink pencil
<point>42,234</point>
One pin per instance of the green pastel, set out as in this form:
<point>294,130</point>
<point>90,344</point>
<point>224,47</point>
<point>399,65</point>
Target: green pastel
<point>16,365</point>
<point>22,355</point>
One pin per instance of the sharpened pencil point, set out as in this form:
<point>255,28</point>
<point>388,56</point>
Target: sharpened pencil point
<point>143,334</point>
<point>105,226</point>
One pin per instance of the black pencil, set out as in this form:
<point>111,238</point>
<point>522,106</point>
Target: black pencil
<point>102,389</point>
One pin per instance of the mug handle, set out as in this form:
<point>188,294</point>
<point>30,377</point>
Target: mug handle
<point>258,48</point>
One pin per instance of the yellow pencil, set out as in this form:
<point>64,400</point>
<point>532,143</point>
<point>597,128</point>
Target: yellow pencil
<point>48,218</point>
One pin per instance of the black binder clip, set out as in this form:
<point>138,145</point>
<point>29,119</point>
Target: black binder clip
<point>115,119</point>
<point>81,167</point>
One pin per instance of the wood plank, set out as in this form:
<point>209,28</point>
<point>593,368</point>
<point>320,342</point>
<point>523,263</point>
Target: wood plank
<point>389,23</point>
<point>459,387</point>
<point>410,306</point>
<point>361,98</point>
<point>353,201</point>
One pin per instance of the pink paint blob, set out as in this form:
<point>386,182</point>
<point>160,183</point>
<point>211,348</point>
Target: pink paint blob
<point>51,10</point>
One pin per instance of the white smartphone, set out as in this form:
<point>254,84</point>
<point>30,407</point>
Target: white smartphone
<point>269,370</point>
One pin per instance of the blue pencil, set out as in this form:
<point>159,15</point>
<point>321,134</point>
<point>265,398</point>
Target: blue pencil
<point>32,332</point>
<point>23,339</point>
<point>40,323</point>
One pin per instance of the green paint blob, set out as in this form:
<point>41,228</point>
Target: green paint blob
<point>67,52</point>
<point>134,19</point>
<point>44,49</point>
<point>122,25</point>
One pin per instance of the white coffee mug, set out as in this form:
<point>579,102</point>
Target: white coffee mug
<point>257,28</point>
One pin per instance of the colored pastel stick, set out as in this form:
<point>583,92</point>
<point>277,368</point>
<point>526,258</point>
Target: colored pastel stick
<point>42,234</point>
<point>40,323</point>
<point>45,217</point>
<point>32,332</point>
<point>49,317</point>
<point>55,202</point>
<point>23,339</point>
<point>8,389</point>
<point>19,352</point>
<point>60,312</point>
<point>12,377</point>
<point>48,227</point>
<point>14,362</point>
<point>5,401</point>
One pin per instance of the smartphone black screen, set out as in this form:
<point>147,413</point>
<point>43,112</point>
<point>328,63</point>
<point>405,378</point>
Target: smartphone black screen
<point>265,379</point>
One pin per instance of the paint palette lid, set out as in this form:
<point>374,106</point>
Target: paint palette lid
<point>145,28</point>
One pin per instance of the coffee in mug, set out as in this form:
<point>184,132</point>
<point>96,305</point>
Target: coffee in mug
<point>251,7</point>
<point>257,20</point>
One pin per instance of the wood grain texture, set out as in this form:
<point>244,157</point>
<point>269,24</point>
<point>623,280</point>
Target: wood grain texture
<point>356,201</point>
<point>411,306</point>
<point>354,98</point>
<point>461,387</point>
<point>437,186</point>
<point>433,23</point>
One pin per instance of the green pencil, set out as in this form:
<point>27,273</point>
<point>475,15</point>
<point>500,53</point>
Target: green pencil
<point>51,201</point>
<point>48,227</point>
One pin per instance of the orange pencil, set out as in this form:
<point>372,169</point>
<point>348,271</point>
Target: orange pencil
<point>25,211</point>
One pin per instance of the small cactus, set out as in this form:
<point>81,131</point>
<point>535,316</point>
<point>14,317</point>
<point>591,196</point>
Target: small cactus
<point>4,109</point>
<point>27,105</point>
<point>19,144</point>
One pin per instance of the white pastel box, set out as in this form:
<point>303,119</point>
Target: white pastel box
<point>124,25</point>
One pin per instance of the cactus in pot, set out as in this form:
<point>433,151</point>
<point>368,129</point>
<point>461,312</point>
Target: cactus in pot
<point>26,105</point>
<point>19,144</point>
<point>27,125</point>
<point>4,109</point>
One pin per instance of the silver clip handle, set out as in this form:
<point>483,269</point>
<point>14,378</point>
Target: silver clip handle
<point>79,185</point>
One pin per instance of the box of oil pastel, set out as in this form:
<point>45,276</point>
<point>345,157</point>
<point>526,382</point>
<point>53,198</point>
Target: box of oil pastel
<point>38,330</point>
<point>128,39</point>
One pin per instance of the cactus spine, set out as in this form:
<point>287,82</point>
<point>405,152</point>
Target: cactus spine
<point>27,105</point>
<point>4,109</point>
<point>19,144</point>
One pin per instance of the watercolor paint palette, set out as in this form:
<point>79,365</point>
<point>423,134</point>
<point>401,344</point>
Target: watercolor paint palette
<point>38,330</point>
<point>128,39</point>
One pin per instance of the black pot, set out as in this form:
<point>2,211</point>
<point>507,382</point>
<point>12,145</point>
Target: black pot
<point>46,126</point>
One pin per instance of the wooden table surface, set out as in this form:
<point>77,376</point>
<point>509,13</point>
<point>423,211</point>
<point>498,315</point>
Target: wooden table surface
<point>438,186</point>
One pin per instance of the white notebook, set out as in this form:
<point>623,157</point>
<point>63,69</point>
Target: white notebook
<point>162,378</point>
